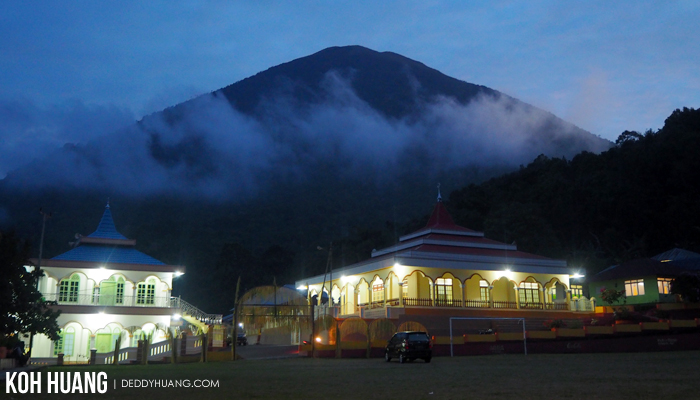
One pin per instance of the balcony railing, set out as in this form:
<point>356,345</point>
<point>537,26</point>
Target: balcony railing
<point>556,306</point>
<point>505,304</point>
<point>458,303</point>
<point>448,303</point>
<point>417,302</point>
<point>476,304</point>
<point>108,300</point>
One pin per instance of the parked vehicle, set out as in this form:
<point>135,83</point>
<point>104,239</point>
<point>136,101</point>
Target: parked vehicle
<point>242,340</point>
<point>409,346</point>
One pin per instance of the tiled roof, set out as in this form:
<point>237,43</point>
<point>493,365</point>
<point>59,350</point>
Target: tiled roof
<point>677,254</point>
<point>441,219</point>
<point>106,228</point>
<point>442,238</point>
<point>465,239</point>
<point>107,255</point>
<point>117,250</point>
<point>477,252</point>
<point>637,269</point>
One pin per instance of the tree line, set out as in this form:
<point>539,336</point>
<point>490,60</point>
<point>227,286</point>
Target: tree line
<point>638,199</point>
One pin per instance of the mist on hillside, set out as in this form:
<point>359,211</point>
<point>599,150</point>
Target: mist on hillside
<point>213,151</point>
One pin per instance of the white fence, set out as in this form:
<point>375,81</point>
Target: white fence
<point>108,300</point>
<point>583,304</point>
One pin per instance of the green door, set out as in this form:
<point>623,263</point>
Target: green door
<point>108,293</point>
<point>103,342</point>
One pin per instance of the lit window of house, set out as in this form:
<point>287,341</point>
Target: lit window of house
<point>576,291</point>
<point>404,288</point>
<point>65,343</point>
<point>484,290</point>
<point>146,292</point>
<point>120,293</point>
<point>444,289</point>
<point>378,292</point>
<point>68,291</point>
<point>664,285</point>
<point>634,287</point>
<point>529,292</point>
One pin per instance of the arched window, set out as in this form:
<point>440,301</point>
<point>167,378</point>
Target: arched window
<point>68,290</point>
<point>111,291</point>
<point>120,291</point>
<point>484,290</point>
<point>377,290</point>
<point>529,293</point>
<point>65,343</point>
<point>146,292</point>
<point>443,288</point>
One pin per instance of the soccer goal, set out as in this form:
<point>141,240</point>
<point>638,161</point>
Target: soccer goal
<point>518,320</point>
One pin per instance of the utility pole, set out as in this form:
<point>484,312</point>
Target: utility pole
<point>44,217</point>
<point>234,334</point>
<point>37,271</point>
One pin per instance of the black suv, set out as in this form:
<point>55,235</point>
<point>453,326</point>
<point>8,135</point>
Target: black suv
<point>409,346</point>
<point>242,340</point>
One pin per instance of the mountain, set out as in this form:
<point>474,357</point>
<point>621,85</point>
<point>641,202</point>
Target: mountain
<point>252,178</point>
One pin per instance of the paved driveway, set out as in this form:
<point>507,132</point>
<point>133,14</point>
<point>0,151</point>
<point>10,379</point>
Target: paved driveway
<point>266,351</point>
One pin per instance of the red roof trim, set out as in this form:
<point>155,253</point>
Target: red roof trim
<point>441,219</point>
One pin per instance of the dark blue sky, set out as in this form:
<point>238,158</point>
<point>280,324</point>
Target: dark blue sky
<point>74,70</point>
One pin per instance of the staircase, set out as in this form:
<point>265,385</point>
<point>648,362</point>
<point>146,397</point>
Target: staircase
<point>194,315</point>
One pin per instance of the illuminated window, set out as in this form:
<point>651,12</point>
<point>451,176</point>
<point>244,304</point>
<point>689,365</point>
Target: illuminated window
<point>68,291</point>
<point>443,288</point>
<point>65,343</point>
<point>146,292</point>
<point>529,292</point>
<point>484,290</point>
<point>404,288</point>
<point>576,291</point>
<point>378,292</point>
<point>136,337</point>
<point>664,285</point>
<point>68,343</point>
<point>634,287</point>
<point>120,293</point>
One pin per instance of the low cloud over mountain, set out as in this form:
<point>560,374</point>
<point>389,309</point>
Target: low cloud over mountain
<point>357,112</point>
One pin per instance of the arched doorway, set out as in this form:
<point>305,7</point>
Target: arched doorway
<point>555,295</point>
<point>417,290</point>
<point>448,291</point>
<point>530,294</point>
<point>503,293</point>
<point>478,292</point>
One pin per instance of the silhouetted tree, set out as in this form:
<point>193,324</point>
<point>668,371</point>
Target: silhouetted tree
<point>23,308</point>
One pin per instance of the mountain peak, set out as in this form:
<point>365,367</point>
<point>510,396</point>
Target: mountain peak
<point>390,83</point>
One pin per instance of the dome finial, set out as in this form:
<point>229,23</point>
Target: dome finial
<point>107,203</point>
<point>439,199</point>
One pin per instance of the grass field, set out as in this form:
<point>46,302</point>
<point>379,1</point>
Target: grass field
<point>562,376</point>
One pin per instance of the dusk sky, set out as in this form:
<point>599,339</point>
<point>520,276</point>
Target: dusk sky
<point>74,70</point>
